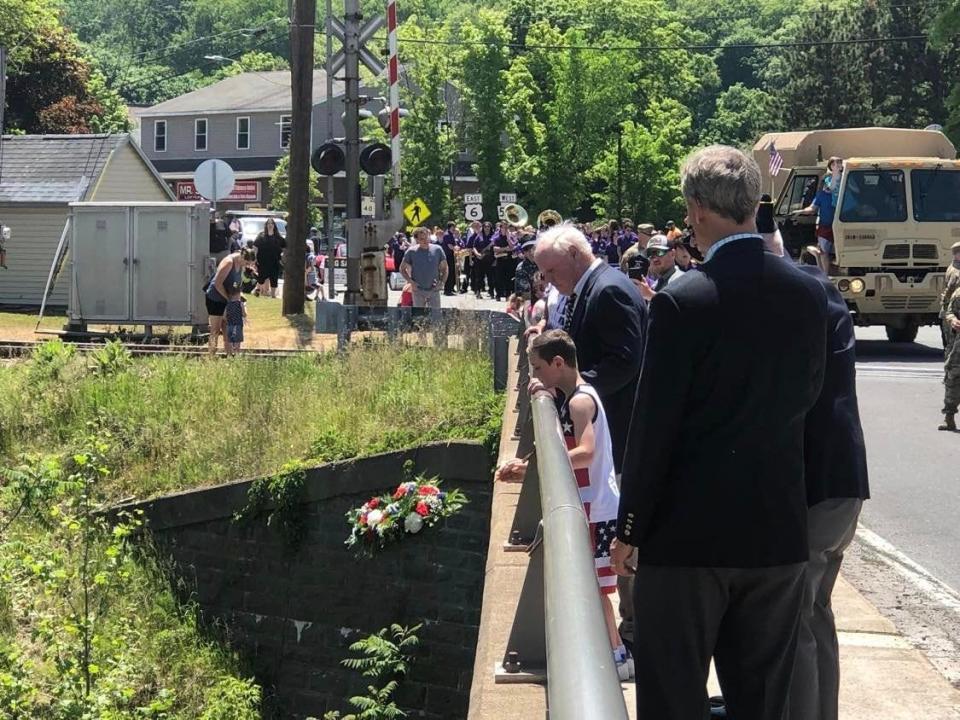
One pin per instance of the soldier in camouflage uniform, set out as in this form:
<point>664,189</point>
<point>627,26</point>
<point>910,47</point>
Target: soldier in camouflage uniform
<point>951,366</point>
<point>951,281</point>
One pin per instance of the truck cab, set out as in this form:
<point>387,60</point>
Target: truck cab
<point>895,220</point>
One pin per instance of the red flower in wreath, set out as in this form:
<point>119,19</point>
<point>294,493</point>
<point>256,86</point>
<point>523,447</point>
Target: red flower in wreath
<point>428,490</point>
<point>373,503</point>
<point>399,493</point>
<point>422,509</point>
<point>363,518</point>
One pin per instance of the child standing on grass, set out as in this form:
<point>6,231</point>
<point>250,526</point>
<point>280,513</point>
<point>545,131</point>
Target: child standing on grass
<point>235,316</point>
<point>553,366</point>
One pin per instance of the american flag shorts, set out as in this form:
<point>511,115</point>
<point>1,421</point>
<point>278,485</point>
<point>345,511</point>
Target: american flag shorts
<point>602,534</point>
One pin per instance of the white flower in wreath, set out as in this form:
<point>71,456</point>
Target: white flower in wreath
<point>374,517</point>
<point>433,502</point>
<point>413,523</point>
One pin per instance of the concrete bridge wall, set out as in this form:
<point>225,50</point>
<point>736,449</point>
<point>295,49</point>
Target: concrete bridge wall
<point>294,614</point>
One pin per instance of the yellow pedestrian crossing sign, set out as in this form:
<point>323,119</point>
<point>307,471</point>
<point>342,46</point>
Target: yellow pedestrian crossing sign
<point>417,212</point>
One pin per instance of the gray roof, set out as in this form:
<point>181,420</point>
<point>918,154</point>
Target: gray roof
<point>52,168</point>
<point>249,92</point>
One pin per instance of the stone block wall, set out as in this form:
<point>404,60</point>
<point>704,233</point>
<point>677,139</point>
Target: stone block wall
<point>293,615</point>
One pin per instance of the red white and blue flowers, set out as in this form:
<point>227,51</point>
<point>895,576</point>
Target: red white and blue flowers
<point>386,519</point>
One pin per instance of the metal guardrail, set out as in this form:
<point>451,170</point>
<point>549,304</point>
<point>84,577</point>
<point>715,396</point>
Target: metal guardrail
<point>559,607</point>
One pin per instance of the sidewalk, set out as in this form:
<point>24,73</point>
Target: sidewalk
<point>882,675</point>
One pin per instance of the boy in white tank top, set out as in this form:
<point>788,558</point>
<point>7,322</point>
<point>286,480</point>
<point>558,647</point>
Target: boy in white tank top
<point>553,366</point>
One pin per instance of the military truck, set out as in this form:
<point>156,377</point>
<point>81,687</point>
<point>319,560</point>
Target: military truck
<point>897,214</point>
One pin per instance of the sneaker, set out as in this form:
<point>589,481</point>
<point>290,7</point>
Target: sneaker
<point>630,666</point>
<point>623,671</point>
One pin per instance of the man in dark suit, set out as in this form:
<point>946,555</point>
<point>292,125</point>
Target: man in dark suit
<point>606,317</point>
<point>713,494</point>
<point>835,462</point>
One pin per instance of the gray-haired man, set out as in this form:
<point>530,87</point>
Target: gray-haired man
<point>425,266</point>
<point>713,495</point>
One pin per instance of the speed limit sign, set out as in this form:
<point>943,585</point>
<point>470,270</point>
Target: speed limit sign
<point>473,212</point>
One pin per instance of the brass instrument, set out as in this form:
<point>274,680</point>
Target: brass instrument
<point>515,215</point>
<point>549,218</point>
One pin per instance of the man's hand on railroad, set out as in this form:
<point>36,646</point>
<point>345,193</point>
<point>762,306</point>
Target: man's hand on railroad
<point>620,554</point>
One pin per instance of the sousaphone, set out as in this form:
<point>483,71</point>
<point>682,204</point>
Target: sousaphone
<point>549,218</point>
<point>515,215</point>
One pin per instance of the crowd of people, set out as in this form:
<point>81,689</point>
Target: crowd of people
<point>708,385</point>
<point>497,261</point>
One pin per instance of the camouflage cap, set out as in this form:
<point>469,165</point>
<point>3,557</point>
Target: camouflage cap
<point>646,229</point>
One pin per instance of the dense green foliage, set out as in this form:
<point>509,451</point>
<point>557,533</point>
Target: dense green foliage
<point>546,88</point>
<point>89,627</point>
<point>385,658</point>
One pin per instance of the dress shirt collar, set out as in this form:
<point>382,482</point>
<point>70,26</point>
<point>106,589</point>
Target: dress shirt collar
<point>578,288</point>
<point>712,250</point>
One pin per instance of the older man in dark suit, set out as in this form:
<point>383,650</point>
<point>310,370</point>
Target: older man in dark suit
<point>606,317</point>
<point>713,494</point>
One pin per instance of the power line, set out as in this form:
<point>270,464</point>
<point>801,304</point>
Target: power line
<point>263,43</point>
<point>663,48</point>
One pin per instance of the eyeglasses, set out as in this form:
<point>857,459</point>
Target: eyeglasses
<point>657,252</point>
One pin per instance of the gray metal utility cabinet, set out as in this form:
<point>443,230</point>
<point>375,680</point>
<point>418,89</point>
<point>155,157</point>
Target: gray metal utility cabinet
<point>139,262</point>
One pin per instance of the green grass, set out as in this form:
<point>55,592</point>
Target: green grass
<point>180,423</point>
<point>78,599</point>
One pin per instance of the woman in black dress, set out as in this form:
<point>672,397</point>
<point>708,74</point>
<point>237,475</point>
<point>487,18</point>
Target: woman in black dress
<point>269,245</point>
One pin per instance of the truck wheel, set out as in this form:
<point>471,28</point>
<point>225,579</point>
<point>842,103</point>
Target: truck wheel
<point>902,334</point>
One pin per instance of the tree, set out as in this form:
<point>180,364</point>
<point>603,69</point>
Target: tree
<point>280,190</point>
<point>651,157</point>
<point>428,151</point>
<point>51,87</point>
<point>743,114</point>
<point>484,61</point>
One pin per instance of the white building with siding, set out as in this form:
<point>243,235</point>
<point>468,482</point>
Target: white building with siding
<point>39,176</point>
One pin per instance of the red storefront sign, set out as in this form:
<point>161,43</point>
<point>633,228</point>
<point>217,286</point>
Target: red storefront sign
<point>243,191</point>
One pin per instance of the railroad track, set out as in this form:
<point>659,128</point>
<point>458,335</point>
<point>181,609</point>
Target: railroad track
<point>20,348</point>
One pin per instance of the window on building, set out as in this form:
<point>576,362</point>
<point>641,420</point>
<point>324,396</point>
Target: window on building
<point>243,133</point>
<point>285,125</point>
<point>160,136</point>
<point>200,134</point>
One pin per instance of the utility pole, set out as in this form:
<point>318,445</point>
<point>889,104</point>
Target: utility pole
<point>328,225</point>
<point>351,101</point>
<point>619,172</point>
<point>303,18</point>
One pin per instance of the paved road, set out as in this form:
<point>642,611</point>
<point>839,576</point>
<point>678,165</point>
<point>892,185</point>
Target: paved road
<point>914,470</point>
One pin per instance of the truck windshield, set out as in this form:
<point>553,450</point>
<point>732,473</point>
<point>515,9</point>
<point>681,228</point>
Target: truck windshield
<point>936,195</point>
<point>874,196</point>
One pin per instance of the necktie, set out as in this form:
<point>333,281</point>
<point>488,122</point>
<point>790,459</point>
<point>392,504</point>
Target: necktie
<point>568,312</point>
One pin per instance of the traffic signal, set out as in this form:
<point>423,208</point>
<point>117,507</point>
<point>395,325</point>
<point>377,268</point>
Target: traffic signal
<point>328,159</point>
<point>375,159</point>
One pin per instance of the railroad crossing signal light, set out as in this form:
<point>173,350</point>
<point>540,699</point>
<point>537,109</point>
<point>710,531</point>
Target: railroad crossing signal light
<point>375,159</point>
<point>328,159</point>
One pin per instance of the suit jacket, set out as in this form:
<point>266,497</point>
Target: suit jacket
<point>608,326</point>
<point>834,454</point>
<point>713,472</point>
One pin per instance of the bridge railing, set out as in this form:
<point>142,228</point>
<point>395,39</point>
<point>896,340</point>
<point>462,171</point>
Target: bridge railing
<point>558,633</point>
